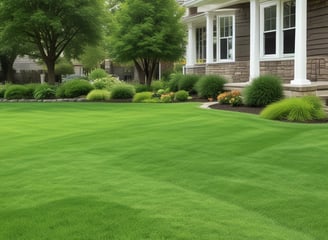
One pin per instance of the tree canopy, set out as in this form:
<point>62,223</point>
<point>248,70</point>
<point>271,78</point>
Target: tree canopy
<point>147,32</point>
<point>53,25</point>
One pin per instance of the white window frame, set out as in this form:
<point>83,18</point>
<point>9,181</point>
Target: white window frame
<point>279,32</point>
<point>218,43</point>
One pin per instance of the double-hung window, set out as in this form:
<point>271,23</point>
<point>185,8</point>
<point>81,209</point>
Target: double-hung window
<point>226,38</point>
<point>201,45</point>
<point>278,28</point>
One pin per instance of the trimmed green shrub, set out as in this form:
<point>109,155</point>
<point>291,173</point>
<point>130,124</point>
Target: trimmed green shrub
<point>30,89</point>
<point>98,95</point>
<point>295,109</point>
<point>210,86</point>
<point>140,97</point>
<point>188,82</point>
<point>16,92</point>
<point>74,88</point>
<point>156,85</point>
<point>173,84</point>
<point>142,88</point>
<point>263,91</point>
<point>98,73</point>
<point>124,91</point>
<point>181,96</point>
<point>44,91</point>
<point>106,83</point>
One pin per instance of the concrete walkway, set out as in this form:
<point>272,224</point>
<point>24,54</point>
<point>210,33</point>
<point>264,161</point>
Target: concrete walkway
<point>207,105</point>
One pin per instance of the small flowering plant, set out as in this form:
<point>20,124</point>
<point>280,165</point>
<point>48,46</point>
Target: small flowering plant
<point>232,98</point>
<point>167,98</point>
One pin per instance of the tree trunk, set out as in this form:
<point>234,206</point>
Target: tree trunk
<point>140,71</point>
<point>7,63</point>
<point>51,72</point>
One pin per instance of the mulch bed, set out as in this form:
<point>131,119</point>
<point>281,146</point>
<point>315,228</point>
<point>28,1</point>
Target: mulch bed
<point>253,110</point>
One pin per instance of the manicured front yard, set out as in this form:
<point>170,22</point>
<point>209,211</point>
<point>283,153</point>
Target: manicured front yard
<point>159,171</point>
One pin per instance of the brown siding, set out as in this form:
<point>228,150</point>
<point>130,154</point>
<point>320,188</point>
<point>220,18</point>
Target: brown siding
<point>317,28</point>
<point>233,72</point>
<point>242,31</point>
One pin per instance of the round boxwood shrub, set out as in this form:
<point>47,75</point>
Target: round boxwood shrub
<point>142,88</point>
<point>142,96</point>
<point>74,88</point>
<point>188,82</point>
<point>181,96</point>
<point>210,86</point>
<point>44,91</point>
<point>98,73</point>
<point>124,91</point>
<point>263,91</point>
<point>295,109</point>
<point>156,85</point>
<point>98,95</point>
<point>16,92</point>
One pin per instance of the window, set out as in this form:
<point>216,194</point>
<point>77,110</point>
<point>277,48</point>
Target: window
<point>270,30</point>
<point>226,41</point>
<point>278,28</point>
<point>215,39</point>
<point>289,26</point>
<point>201,45</point>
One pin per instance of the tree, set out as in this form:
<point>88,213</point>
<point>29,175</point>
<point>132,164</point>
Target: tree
<point>147,32</point>
<point>54,25</point>
<point>92,57</point>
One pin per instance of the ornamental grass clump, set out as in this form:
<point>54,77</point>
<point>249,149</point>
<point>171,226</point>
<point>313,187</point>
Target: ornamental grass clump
<point>295,109</point>
<point>98,73</point>
<point>44,91</point>
<point>98,95</point>
<point>263,91</point>
<point>210,86</point>
<point>188,82</point>
<point>106,83</point>
<point>16,92</point>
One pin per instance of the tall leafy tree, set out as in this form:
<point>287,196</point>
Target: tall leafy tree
<point>54,25</point>
<point>147,32</point>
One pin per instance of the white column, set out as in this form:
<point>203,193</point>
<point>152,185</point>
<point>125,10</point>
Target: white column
<point>191,47</point>
<point>254,61</point>
<point>209,38</point>
<point>300,62</point>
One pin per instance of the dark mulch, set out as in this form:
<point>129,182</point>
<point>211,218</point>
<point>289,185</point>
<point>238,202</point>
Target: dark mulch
<point>253,110</point>
<point>244,109</point>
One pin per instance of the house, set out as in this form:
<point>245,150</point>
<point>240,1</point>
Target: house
<point>242,39</point>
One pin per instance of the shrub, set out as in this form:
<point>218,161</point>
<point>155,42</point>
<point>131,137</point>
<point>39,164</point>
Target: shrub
<point>167,98</point>
<point>156,85</point>
<point>181,96</point>
<point>173,84</point>
<point>106,83</point>
<point>233,98</point>
<point>295,109</point>
<point>210,86</point>
<point>142,88</point>
<point>140,97</point>
<point>188,82</point>
<point>3,90</point>
<point>44,91</point>
<point>98,73</point>
<point>16,92</point>
<point>263,91</point>
<point>98,95</point>
<point>124,91</point>
<point>31,87</point>
<point>74,88</point>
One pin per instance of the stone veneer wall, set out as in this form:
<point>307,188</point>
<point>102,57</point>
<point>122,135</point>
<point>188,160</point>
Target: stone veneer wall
<point>317,69</point>
<point>200,69</point>
<point>233,72</point>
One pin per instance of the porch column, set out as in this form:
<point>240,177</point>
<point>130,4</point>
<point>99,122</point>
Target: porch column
<point>300,62</point>
<point>191,47</point>
<point>209,38</point>
<point>254,59</point>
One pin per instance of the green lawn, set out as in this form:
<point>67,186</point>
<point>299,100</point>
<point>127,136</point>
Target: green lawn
<point>159,171</point>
